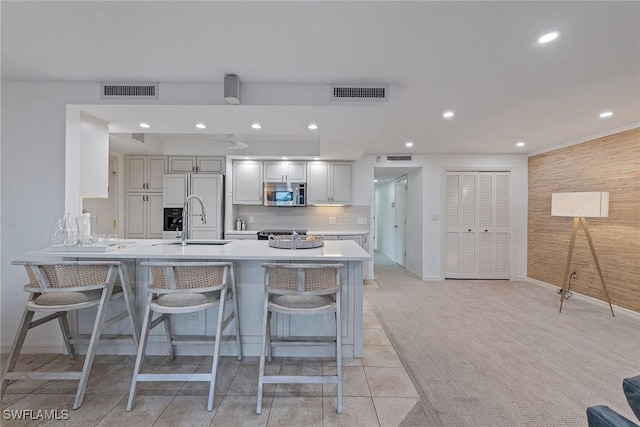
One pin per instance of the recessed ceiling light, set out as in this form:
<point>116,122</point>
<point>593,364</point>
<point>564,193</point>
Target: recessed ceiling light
<point>549,37</point>
<point>448,114</point>
<point>201,126</point>
<point>256,126</point>
<point>375,180</point>
<point>144,125</point>
<point>246,158</point>
<point>316,158</point>
<point>312,126</point>
<point>606,114</point>
<point>520,144</point>
<point>284,158</point>
<point>408,144</point>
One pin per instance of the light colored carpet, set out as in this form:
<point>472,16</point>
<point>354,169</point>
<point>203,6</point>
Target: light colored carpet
<point>498,353</point>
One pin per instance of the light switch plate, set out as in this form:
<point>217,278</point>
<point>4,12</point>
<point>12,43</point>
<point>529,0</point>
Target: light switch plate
<point>332,220</point>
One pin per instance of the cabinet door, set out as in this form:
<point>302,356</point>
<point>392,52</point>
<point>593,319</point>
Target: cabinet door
<point>452,226</point>
<point>135,227</point>
<point>274,171</point>
<point>209,188</point>
<point>136,177</point>
<point>182,164</point>
<point>341,183</point>
<point>247,183</point>
<point>210,164</point>
<point>317,182</point>
<point>175,190</point>
<point>157,167</point>
<point>296,172</point>
<point>154,215</point>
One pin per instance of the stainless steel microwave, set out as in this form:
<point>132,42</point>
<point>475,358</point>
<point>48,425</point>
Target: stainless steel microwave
<point>284,194</point>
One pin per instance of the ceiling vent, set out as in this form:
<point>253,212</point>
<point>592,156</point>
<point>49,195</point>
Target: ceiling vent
<point>359,93</point>
<point>399,158</point>
<point>138,136</point>
<point>129,90</point>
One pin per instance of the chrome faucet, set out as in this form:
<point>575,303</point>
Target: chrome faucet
<point>185,217</point>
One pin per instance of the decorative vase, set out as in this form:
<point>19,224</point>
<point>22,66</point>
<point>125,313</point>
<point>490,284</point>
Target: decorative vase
<point>58,235</point>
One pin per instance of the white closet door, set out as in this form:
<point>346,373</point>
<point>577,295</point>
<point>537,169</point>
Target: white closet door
<point>485,225</point>
<point>452,226</point>
<point>501,245</point>
<point>477,225</point>
<point>469,211</point>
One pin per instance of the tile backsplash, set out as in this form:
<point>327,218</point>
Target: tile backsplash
<point>322,218</point>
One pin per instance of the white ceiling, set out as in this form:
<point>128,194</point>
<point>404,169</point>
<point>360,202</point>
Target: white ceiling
<point>478,58</point>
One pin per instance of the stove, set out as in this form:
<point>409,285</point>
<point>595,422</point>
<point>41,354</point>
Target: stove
<point>264,234</point>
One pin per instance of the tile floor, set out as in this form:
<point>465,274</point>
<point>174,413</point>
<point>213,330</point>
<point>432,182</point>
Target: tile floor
<point>377,391</point>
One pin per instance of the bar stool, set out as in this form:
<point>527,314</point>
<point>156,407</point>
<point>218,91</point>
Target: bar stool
<point>300,289</point>
<point>63,286</point>
<point>188,287</point>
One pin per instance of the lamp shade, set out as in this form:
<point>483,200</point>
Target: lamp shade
<point>584,204</point>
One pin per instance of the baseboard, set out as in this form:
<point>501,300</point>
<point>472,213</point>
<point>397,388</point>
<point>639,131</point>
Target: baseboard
<point>35,349</point>
<point>588,298</point>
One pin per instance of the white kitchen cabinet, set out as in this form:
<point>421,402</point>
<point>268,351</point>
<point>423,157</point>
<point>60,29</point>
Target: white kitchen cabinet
<point>209,188</point>
<point>247,182</point>
<point>175,190</point>
<point>144,173</point>
<point>477,225</point>
<point>329,183</point>
<point>285,171</point>
<point>144,216</point>
<point>198,164</point>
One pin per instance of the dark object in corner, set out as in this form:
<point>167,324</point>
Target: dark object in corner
<point>603,416</point>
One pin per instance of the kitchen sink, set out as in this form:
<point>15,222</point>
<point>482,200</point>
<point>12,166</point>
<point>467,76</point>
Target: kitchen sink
<point>198,242</point>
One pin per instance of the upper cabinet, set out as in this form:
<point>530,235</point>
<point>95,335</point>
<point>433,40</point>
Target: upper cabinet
<point>198,164</point>
<point>145,173</point>
<point>329,183</point>
<point>285,171</point>
<point>247,182</point>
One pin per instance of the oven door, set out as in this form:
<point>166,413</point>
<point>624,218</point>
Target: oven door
<point>279,195</point>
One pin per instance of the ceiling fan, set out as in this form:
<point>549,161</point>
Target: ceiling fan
<point>235,142</point>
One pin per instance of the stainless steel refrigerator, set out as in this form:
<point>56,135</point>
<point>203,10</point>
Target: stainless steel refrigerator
<point>210,188</point>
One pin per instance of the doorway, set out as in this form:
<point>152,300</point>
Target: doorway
<point>400,221</point>
<point>106,210</point>
<point>392,214</point>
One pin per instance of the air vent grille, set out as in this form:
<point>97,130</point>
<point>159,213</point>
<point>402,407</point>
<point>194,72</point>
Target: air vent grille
<point>129,90</point>
<point>399,158</point>
<point>138,136</point>
<point>359,93</point>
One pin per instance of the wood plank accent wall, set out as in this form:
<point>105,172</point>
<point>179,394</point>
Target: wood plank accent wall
<point>608,164</point>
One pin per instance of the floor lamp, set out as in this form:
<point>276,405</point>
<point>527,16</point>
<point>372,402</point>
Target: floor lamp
<point>580,206</point>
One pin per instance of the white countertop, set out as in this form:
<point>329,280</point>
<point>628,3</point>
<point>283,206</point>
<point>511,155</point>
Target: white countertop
<point>338,250</point>
<point>310,232</point>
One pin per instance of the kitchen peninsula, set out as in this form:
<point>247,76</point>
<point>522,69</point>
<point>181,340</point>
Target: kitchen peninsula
<point>247,256</point>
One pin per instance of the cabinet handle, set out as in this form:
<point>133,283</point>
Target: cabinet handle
<point>193,168</point>
<point>486,231</point>
<point>469,230</point>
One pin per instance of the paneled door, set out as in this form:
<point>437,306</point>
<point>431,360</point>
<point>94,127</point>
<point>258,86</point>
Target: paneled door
<point>477,225</point>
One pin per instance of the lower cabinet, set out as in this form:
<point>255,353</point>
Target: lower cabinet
<point>143,216</point>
